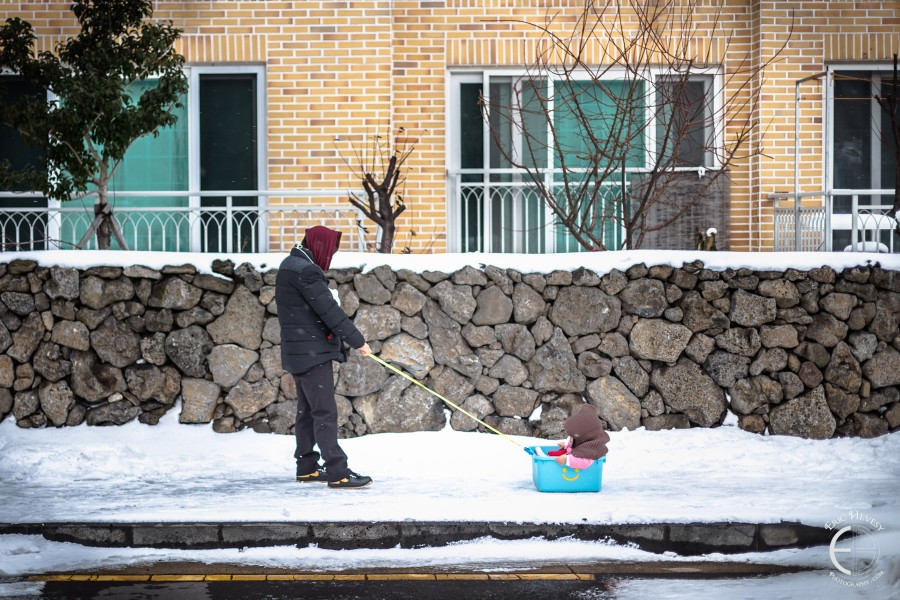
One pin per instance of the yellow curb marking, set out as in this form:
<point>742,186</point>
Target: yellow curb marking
<point>503,576</point>
<point>462,576</point>
<point>122,578</point>
<point>349,577</point>
<point>310,577</point>
<point>279,577</point>
<point>248,577</point>
<point>548,576</point>
<point>217,578</point>
<point>177,577</point>
<point>82,578</point>
<point>400,577</point>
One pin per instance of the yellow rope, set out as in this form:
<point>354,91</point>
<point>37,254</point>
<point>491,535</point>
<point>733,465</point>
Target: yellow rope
<point>429,390</point>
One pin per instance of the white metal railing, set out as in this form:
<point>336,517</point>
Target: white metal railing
<point>501,210</point>
<point>503,217</point>
<point>872,230</point>
<point>211,221</point>
<point>513,216</point>
<point>869,227</point>
<point>811,235</point>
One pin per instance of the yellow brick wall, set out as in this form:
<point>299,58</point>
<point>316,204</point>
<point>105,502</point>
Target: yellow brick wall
<point>824,32</point>
<point>339,72</point>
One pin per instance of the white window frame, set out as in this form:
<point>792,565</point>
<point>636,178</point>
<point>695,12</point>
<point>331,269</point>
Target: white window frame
<point>194,72</point>
<point>455,77</point>
<point>842,221</point>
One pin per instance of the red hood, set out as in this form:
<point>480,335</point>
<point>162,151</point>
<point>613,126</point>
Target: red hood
<point>323,243</point>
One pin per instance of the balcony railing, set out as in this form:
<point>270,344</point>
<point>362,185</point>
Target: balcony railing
<point>219,221</point>
<point>503,210</point>
<point>861,225</point>
<point>500,210</point>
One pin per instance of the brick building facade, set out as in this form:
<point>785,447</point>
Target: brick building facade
<point>320,78</point>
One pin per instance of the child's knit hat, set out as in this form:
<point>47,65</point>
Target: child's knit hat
<point>588,437</point>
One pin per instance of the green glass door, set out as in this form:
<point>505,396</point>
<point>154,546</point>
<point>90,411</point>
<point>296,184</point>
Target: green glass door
<point>229,159</point>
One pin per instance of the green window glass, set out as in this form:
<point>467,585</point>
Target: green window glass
<point>506,212</point>
<point>587,115</point>
<point>156,163</point>
<point>152,163</point>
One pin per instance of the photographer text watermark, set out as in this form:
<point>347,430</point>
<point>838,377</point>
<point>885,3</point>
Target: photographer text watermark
<point>854,549</point>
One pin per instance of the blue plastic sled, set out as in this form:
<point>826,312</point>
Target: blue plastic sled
<point>549,476</point>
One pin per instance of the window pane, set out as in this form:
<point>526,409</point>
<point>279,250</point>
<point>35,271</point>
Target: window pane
<point>501,126</point>
<point>852,135</point>
<point>20,231</point>
<point>228,156</point>
<point>864,152</point>
<point>599,123</point>
<point>534,117</point>
<point>471,135</point>
<point>519,120</point>
<point>889,145</point>
<point>518,213</point>
<point>471,145</point>
<point>155,163</point>
<point>13,147</point>
<point>682,126</point>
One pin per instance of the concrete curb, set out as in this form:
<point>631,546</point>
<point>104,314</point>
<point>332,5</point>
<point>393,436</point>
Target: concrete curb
<point>686,539</point>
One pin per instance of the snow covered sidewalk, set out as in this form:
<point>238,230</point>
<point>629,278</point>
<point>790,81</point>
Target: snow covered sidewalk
<point>179,473</point>
<point>174,472</point>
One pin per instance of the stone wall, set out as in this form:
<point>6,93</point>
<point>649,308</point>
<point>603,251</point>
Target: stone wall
<point>813,354</point>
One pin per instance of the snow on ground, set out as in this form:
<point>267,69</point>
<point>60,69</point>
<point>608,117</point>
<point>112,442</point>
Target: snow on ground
<point>173,472</point>
<point>22,555</point>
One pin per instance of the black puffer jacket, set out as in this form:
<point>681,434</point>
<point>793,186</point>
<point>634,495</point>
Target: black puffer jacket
<point>312,323</point>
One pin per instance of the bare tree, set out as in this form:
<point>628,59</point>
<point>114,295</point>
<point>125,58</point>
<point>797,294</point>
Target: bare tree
<point>380,165</point>
<point>601,87</point>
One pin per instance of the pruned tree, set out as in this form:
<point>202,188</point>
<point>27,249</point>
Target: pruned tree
<point>621,110</point>
<point>380,166</point>
<point>96,113</point>
<point>889,101</point>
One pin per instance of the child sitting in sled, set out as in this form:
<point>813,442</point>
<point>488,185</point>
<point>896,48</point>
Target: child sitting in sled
<point>586,442</point>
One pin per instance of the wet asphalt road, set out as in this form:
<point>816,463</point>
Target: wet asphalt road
<point>330,590</point>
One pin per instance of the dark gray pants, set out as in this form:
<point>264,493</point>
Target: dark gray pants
<point>317,423</point>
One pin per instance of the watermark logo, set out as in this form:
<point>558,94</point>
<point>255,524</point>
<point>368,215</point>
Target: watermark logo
<point>854,550</point>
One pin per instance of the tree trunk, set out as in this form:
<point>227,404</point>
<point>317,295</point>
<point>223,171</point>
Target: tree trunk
<point>388,230</point>
<point>103,231</point>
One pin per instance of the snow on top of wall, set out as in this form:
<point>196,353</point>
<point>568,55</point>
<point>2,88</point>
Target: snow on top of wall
<point>599,262</point>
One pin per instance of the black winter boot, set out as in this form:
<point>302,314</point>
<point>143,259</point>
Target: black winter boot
<point>317,476</point>
<point>351,481</point>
